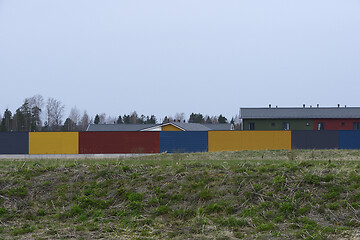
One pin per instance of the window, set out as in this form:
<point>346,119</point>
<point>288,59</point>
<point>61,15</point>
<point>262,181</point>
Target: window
<point>286,126</point>
<point>342,124</point>
<point>356,125</point>
<point>307,124</point>
<point>321,126</point>
<point>273,124</point>
<point>251,126</point>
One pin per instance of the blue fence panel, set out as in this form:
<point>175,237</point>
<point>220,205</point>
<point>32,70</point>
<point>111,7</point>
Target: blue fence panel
<point>349,139</point>
<point>14,143</point>
<point>181,142</point>
<point>307,139</point>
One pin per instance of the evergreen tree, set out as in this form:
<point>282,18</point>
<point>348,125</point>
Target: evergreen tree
<point>208,120</point>
<point>97,119</point>
<point>141,119</point>
<point>119,120</point>
<point>2,126</point>
<point>166,120</point>
<point>196,118</point>
<point>22,118</point>
<point>69,126</point>
<point>19,120</point>
<point>222,119</point>
<point>35,119</point>
<point>126,119</point>
<point>151,120</point>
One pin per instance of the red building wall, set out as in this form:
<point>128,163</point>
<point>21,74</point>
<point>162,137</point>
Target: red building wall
<point>336,124</point>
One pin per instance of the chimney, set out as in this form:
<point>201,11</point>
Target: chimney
<point>338,105</point>
<point>310,106</point>
<point>345,106</point>
<point>303,105</point>
<point>276,106</point>
<point>269,105</point>
<point>317,105</point>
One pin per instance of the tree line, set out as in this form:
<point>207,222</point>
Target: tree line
<point>37,114</point>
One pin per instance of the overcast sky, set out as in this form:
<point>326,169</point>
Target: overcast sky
<point>161,57</point>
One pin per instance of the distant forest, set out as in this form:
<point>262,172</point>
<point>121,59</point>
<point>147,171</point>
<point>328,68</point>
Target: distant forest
<point>36,115</point>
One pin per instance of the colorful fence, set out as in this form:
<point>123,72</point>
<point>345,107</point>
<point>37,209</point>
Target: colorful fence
<point>248,140</point>
<point>54,143</point>
<point>349,139</point>
<point>314,139</point>
<point>118,142</point>
<point>172,142</point>
<point>14,143</point>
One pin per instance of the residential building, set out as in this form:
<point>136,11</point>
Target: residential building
<point>301,118</point>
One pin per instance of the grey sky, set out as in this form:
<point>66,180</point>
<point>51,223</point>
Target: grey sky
<point>162,57</point>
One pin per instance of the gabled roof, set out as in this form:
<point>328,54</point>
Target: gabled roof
<point>200,126</point>
<point>150,127</point>
<point>188,126</point>
<point>118,127</point>
<point>299,113</point>
<point>219,126</point>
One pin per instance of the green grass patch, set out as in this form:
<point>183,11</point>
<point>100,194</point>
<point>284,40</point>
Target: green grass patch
<point>246,195</point>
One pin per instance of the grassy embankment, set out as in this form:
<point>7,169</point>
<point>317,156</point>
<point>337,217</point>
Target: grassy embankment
<point>238,195</point>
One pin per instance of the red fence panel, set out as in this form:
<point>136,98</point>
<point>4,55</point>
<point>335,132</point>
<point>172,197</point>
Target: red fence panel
<point>118,142</point>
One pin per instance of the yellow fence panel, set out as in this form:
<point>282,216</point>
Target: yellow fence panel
<point>248,140</point>
<point>53,143</point>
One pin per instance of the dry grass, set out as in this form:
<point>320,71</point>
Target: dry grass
<point>229,195</point>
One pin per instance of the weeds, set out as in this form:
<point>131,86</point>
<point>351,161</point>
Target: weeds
<point>202,195</point>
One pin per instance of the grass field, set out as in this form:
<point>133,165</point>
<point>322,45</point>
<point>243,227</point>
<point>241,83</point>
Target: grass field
<point>229,195</point>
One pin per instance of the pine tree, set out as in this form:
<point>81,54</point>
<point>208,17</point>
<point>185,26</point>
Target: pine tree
<point>196,118</point>
<point>119,120</point>
<point>222,119</point>
<point>97,119</point>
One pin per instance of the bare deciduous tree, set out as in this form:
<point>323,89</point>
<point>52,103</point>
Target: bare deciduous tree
<point>133,117</point>
<point>237,122</point>
<point>179,117</point>
<point>35,103</point>
<point>84,122</point>
<point>110,120</point>
<point>102,118</point>
<point>75,115</point>
<point>55,112</point>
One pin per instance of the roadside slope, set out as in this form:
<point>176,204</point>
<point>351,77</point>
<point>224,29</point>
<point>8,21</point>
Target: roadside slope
<point>239,195</point>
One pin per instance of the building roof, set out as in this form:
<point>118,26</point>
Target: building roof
<point>300,113</point>
<point>188,126</point>
<point>219,126</point>
<point>146,127</point>
<point>118,127</point>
